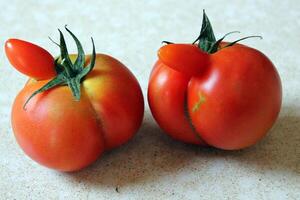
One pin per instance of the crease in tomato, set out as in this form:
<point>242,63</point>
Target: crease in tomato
<point>190,121</point>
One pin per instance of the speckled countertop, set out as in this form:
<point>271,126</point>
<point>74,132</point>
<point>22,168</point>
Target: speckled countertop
<point>153,166</point>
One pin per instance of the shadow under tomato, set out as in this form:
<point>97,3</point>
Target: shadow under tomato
<point>152,155</point>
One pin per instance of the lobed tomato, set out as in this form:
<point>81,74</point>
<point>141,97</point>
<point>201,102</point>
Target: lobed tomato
<point>227,94</point>
<point>66,133</point>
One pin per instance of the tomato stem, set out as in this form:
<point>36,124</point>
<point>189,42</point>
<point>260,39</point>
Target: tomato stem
<point>206,41</point>
<point>167,42</point>
<point>215,46</point>
<point>206,37</point>
<point>244,38</point>
<point>68,73</point>
<point>53,41</point>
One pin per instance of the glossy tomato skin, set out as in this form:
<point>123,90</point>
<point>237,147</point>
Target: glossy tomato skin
<point>117,97</point>
<point>167,99</point>
<point>242,92</point>
<point>30,59</point>
<point>231,104</point>
<point>67,135</point>
<point>55,130</point>
<point>188,55</point>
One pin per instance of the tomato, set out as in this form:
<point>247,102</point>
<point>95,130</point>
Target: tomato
<point>30,59</point>
<point>167,100</point>
<point>67,134</point>
<point>229,98</point>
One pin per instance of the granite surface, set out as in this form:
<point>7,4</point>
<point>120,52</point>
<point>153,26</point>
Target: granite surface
<point>151,165</point>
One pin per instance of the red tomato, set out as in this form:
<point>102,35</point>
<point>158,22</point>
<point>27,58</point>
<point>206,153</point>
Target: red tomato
<point>92,104</point>
<point>231,103</point>
<point>227,94</point>
<point>30,59</point>
<point>167,100</point>
<point>67,135</point>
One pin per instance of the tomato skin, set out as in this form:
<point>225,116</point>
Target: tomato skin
<point>175,56</point>
<point>242,91</point>
<point>30,59</point>
<point>67,135</point>
<point>166,99</point>
<point>232,103</point>
<point>64,136</point>
<point>119,102</point>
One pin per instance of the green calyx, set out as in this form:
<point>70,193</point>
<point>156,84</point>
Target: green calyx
<point>68,73</point>
<point>207,42</point>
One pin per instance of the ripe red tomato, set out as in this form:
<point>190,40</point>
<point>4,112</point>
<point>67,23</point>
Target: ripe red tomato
<point>30,59</point>
<point>167,100</point>
<point>66,134</point>
<point>230,97</point>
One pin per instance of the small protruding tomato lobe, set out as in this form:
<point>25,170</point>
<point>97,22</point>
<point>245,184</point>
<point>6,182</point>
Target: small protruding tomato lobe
<point>30,59</point>
<point>185,58</point>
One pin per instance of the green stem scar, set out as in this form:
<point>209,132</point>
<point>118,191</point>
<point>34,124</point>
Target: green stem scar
<point>198,104</point>
<point>68,73</point>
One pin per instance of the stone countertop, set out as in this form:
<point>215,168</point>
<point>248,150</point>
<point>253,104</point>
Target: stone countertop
<point>152,165</point>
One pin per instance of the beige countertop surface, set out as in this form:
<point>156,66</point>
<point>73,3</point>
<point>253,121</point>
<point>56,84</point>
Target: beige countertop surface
<point>152,165</point>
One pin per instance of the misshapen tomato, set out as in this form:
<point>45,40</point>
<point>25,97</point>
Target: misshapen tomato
<point>232,100</point>
<point>241,98</point>
<point>30,59</point>
<point>66,134</point>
